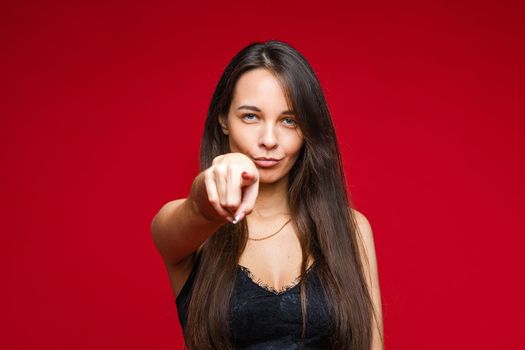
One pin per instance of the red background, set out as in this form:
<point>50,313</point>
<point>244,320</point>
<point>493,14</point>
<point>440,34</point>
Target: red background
<point>102,109</point>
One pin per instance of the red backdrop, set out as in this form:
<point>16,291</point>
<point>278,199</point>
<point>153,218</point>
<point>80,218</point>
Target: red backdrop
<point>102,109</point>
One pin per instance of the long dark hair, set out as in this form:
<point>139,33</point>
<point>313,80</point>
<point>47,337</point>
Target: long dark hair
<point>319,203</point>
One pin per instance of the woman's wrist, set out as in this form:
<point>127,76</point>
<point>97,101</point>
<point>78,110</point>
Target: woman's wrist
<point>199,200</point>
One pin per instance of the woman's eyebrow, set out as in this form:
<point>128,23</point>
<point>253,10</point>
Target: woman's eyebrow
<point>256,109</point>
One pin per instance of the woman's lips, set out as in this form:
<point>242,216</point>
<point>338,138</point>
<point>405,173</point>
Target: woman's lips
<point>265,163</point>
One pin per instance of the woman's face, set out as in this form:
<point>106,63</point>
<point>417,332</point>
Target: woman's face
<point>260,125</point>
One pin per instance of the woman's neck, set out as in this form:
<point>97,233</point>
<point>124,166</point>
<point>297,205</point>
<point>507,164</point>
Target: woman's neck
<point>272,200</point>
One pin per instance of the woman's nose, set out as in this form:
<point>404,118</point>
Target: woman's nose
<point>269,137</point>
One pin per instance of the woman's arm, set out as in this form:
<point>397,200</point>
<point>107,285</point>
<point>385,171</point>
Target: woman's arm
<point>227,189</point>
<point>181,226</point>
<point>368,256</point>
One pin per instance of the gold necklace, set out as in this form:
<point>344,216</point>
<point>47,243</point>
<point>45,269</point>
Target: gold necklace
<point>273,234</point>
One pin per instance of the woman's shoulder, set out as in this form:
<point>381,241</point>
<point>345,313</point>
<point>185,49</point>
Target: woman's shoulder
<point>364,229</point>
<point>361,219</point>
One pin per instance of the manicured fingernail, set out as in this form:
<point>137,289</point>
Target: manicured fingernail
<point>238,218</point>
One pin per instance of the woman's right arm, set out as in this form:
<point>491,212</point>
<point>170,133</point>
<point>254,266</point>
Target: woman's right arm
<point>182,225</point>
<point>225,190</point>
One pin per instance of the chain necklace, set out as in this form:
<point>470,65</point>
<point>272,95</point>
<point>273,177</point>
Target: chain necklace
<point>273,234</point>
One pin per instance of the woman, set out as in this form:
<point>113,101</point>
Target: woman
<point>266,251</point>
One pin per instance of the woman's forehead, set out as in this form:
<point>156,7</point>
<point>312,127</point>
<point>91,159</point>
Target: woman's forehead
<point>259,88</point>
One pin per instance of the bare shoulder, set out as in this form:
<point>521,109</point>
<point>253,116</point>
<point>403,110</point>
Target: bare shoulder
<point>368,257</point>
<point>366,244</point>
<point>172,204</point>
<point>160,216</point>
<point>365,230</point>
<point>360,218</point>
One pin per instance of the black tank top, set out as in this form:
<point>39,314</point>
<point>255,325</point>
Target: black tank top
<point>262,318</point>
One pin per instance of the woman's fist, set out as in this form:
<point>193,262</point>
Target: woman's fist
<point>232,185</point>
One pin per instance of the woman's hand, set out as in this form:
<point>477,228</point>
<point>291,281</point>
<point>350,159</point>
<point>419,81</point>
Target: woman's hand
<point>232,185</point>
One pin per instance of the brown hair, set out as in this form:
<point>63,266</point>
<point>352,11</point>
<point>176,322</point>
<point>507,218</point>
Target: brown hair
<point>319,203</point>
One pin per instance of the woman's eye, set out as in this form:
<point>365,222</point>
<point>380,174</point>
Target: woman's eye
<point>292,121</point>
<point>252,117</point>
<point>249,115</point>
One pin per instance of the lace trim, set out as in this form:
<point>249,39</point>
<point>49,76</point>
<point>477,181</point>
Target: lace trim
<point>268,287</point>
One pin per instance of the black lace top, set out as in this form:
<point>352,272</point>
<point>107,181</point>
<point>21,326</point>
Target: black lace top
<point>263,318</point>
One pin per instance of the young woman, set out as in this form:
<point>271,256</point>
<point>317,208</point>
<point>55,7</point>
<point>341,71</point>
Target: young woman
<point>266,252</point>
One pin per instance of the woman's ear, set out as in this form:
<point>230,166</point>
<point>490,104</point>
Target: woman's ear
<point>224,125</point>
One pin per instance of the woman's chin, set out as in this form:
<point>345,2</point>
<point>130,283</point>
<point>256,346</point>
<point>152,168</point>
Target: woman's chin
<point>268,179</point>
